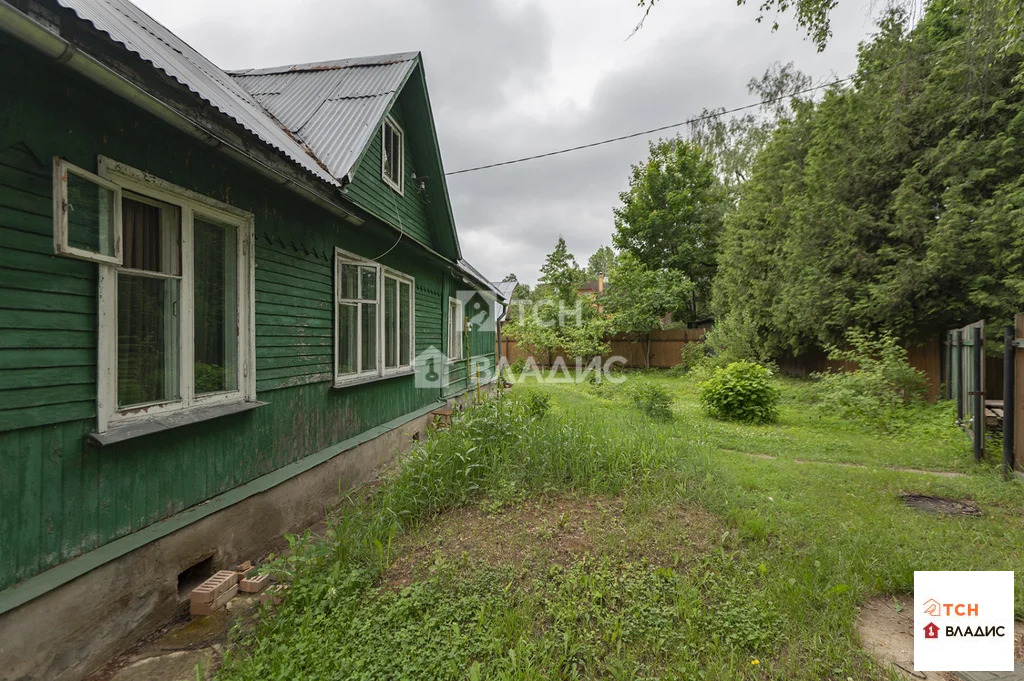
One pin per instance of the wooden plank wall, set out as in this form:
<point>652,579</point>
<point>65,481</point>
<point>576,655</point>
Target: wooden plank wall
<point>41,297</point>
<point>368,191</point>
<point>666,346</point>
<point>59,496</point>
<point>925,356</point>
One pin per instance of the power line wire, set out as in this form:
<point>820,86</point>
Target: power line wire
<point>696,119</point>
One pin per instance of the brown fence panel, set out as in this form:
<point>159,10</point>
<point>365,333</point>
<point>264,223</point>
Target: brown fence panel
<point>925,356</point>
<point>666,348</point>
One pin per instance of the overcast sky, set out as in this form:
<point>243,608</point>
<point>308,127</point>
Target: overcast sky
<point>510,78</point>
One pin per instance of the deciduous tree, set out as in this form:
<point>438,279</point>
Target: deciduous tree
<point>671,217</point>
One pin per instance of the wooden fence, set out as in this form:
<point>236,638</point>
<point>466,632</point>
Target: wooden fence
<point>666,346</point>
<point>924,355</point>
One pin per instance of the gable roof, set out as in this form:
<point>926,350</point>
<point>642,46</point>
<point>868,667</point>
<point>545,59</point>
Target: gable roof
<point>331,107</point>
<point>338,113</point>
<point>149,39</point>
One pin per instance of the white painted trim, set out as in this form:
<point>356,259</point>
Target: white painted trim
<point>61,169</point>
<point>189,204</point>
<point>460,328</point>
<point>343,257</point>
<point>158,188</point>
<point>400,186</point>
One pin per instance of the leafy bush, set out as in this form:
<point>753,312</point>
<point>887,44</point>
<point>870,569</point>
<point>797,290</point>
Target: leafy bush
<point>692,354</point>
<point>535,403</point>
<point>741,391</point>
<point>651,398</point>
<point>677,371</point>
<point>883,383</point>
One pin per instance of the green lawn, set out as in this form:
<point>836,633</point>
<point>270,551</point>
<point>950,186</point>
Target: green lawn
<point>586,540</point>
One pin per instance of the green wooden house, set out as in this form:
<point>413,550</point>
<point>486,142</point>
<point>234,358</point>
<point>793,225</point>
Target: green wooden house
<point>211,285</point>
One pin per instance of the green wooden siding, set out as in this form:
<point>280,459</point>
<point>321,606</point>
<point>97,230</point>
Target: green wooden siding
<point>369,191</point>
<point>60,497</point>
<point>47,305</point>
<point>482,344</point>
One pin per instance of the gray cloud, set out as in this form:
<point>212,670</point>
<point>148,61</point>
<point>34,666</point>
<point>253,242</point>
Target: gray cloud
<point>510,79</point>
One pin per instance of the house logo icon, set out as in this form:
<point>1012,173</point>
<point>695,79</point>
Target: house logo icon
<point>931,630</point>
<point>932,607</point>
<point>431,368</point>
<point>478,306</point>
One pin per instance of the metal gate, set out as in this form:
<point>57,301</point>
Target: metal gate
<point>965,363</point>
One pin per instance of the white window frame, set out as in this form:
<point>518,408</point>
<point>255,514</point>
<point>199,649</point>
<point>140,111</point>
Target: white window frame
<point>379,370</point>
<point>61,170</point>
<point>400,185</point>
<point>456,324</point>
<point>399,278</point>
<point>191,204</point>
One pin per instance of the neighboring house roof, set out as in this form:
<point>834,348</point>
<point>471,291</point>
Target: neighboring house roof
<point>475,274</point>
<point>589,286</point>
<point>332,107</point>
<point>505,288</point>
<point>140,33</point>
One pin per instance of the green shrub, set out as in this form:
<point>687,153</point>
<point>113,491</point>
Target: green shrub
<point>535,403</point>
<point>677,371</point>
<point>692,354</point>
<point>881,386</point>
<point>651,398</point>
<point>741,391</point>
<point>517,367</point>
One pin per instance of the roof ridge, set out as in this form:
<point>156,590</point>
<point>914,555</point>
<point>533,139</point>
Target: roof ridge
<point>327,65</point>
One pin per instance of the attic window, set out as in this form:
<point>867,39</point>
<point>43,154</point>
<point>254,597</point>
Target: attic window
<point>392,160</point>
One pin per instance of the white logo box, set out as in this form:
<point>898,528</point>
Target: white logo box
<point>970,610</point>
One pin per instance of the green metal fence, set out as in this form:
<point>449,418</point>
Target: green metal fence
<point>965,368</point>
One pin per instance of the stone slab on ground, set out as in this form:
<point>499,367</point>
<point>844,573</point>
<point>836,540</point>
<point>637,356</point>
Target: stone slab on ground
<point>179,665</point>
<point>1016,675</point>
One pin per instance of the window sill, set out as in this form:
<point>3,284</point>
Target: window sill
<point>361,380</point>
<point>160,424</point>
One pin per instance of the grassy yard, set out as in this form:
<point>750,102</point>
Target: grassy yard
<point>561,533</point>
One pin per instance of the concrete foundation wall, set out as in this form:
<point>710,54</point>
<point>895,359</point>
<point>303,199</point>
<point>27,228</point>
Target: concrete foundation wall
<point>72,630</point>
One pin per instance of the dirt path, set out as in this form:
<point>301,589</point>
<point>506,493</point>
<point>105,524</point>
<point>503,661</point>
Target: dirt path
<point>886,627</point>
<point>847,464</point>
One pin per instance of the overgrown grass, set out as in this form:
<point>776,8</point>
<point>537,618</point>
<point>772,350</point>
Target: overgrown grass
<point>772,595</point>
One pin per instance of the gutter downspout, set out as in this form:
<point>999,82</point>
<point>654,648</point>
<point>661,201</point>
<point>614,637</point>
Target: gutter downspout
<point>17,24</point>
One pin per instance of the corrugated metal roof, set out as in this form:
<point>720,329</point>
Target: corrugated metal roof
<point>477,275</point>
<point>140,33</point>
<point>505,288</point>
<point>333,107</point>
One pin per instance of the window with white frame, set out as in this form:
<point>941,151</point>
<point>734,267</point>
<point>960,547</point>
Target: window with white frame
<point>456,327</point>
<point>175,289</point>
<point>392,161</point>
<point>374,319</point>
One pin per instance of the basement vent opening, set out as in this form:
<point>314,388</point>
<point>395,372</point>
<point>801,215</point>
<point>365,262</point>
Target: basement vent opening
<point>193,576</point>
<point>930,504</point>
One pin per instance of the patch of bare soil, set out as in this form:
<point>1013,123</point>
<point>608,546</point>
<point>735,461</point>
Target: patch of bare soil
<point>886,627</point>
<point>555,530</point>
<point>941,505</point>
